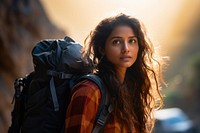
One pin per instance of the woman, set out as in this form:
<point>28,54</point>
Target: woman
<point>122,57</point>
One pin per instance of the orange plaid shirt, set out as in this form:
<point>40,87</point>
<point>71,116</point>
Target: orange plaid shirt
<point>82,110</point>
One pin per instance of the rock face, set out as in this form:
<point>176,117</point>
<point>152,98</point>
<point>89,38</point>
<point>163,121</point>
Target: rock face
<point>22,24</point>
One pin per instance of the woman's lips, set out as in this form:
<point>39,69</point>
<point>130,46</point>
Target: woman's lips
<point>125,58</point>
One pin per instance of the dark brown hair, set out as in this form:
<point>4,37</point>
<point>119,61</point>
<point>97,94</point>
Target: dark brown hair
<point>135,99</point>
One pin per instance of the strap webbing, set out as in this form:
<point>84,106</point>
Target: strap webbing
<point>53,94</point>
<point>60,75</point>
<point>103,117</point>
<point>105,108</point>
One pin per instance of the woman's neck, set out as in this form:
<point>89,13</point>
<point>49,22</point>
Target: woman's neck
<point>121,74</point>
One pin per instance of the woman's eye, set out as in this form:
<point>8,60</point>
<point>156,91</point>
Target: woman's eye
<point>116,42</point>
<point>132,41</point>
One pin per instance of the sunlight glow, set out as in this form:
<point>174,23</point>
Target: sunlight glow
<point>78,18</point>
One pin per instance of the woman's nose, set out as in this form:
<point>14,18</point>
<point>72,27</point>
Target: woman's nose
<point>125,48</point>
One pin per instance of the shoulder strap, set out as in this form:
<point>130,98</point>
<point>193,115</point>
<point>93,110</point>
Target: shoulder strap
<point>60,75</point>
<point>102,119</point>
<point>96,79</point>
<point>105,108</point>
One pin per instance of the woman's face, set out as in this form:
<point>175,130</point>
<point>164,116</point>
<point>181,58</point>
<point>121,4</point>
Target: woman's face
<point>121,47</point>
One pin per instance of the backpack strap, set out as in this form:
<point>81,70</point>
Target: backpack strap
<point>104,114</point>
<point>105,108</point>
<point>60,75</point>
<point>102,119</point>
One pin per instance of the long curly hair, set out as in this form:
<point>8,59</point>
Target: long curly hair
<point>135,99</point>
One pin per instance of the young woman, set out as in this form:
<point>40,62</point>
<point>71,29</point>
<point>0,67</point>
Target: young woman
<point>122,56</point>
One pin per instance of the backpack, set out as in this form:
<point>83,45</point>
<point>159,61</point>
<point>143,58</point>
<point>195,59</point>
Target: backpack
<point>41,98</point>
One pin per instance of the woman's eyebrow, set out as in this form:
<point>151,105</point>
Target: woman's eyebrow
<point>113,37</point>
<point>119,37</point>
<point>132,37</point>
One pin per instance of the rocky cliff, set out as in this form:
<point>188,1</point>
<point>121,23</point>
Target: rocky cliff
<point>22,24</point>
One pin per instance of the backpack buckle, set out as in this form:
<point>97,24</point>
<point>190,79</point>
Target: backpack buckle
<point>60,75</point>
<point>63,75</point>
<point>107,110</point>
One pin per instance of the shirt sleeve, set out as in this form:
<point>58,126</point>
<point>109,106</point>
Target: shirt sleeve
<point>83,107</point>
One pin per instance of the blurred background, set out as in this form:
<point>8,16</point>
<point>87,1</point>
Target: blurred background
<point>172,25</point>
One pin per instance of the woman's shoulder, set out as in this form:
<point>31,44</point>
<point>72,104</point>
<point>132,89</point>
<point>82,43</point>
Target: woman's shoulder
<point>86,88</point>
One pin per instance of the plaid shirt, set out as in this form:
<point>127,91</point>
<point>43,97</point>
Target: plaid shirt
<point>82,110</point>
